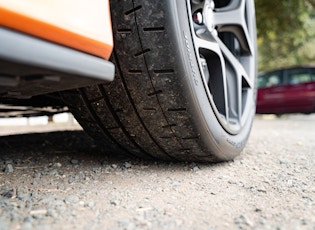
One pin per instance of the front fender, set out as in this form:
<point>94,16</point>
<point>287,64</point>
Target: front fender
<point>79,24</point>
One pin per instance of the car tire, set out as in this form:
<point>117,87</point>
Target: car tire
<point>184,87</point>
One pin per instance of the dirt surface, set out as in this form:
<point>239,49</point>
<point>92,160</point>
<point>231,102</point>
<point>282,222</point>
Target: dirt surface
<point>62,180</point>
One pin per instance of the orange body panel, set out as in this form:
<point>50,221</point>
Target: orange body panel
<point>80,24</point>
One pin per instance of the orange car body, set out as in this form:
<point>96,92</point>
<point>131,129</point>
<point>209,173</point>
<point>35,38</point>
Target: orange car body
<point>53,45</point>
<point>79,24</point>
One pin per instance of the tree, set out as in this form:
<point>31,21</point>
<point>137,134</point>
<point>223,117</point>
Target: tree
<point>285,33</point>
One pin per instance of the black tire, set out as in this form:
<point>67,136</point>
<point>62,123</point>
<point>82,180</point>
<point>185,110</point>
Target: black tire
<point>159,105</point>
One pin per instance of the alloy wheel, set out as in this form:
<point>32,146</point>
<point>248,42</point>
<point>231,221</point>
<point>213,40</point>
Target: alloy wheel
<point>224,38</point>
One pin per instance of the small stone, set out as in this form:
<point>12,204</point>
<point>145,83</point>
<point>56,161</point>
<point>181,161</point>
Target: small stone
<point>37,175</point>
<point>114,202</point>
<point>9,168</point>
<point>299,143</point>
<point>72,199</point>
<point>58,165</point>
<point>52,212</point>
<point>127,165</point>
<point>176,183</point>
<point>196,169</point>
<point>60,187</point>
<point>53,172</point>
<point>39,212</point>
<point>262,189</point>
<point>303,221</point>
<point>283,161</point>
<point>114,166</point>
<point>7,192</point>
<point>242,221</point>
<point>28,219</point>
<point>96,170</point>
<point>74,161</point>
<point>22,195</point>
<point>71,180</point>
<point>90,204</point>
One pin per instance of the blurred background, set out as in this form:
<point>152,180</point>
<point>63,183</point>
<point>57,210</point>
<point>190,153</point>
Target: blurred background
<point>286,38</point>
<point>285,33</point>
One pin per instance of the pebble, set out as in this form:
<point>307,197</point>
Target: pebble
<point>127,165</point>
<point>53,172</point>
<point>60,186</point>
<point>114,202</point>
<point>242,220</point>
<point>9,168</point>
<point>261,188</point>
<point>38,213</point>
<point>21,195</point>
<point>96,170</point>
<point>58,165</point>
<point>74,161</point>
<point>284,162</point>
<point>7,192</point>
<point>37,175</point>
<point>72,199</point>
<point>71,180</point>
<point>196,169</point>
<point>90,204</point>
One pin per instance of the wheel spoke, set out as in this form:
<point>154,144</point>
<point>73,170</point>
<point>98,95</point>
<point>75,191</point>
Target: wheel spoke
<point>201,42</point>
<point>237,66</point>
<point>242,79</point>
<point>216,79</point>
<point>232,19</point>
<point>231,14</point>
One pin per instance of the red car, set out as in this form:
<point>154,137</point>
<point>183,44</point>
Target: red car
<point>289,90</point>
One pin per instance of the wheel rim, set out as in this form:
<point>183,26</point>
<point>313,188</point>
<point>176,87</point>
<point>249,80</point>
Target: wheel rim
<point>224,39</point>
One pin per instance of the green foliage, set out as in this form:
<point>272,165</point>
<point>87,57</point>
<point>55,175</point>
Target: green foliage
<point>285,32</point>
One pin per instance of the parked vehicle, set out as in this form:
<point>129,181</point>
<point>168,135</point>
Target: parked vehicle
<point>184,85</point>
<point>287,90</point>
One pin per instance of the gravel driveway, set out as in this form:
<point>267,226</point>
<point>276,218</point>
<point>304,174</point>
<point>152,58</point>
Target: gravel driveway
<point>61,180</point>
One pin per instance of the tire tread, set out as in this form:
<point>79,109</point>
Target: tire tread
<point>144,110</point>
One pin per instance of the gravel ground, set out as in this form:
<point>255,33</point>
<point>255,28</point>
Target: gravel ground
<point>62,180</point>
